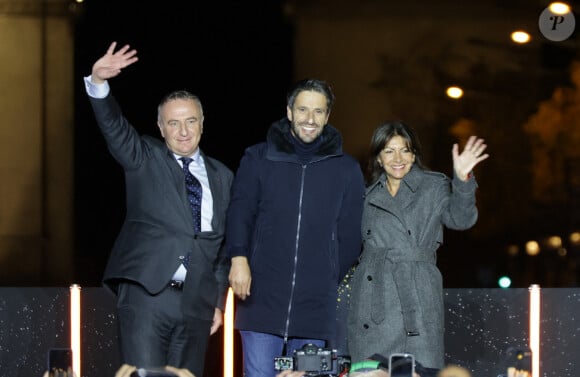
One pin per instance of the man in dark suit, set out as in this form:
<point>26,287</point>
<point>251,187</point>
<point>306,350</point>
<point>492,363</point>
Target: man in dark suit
<point>167,266</point>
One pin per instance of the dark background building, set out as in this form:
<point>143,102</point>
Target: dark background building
<point>385,60</point>
<point>62,194</point>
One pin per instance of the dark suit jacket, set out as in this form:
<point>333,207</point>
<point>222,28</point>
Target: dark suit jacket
<point>158,228</point>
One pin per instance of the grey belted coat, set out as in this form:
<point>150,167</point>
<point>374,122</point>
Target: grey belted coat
<point>397,292</point>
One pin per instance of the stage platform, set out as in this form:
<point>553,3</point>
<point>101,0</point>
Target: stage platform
<point>481,324</point>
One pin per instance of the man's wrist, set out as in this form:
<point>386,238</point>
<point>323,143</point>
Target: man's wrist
<point>96,90</point>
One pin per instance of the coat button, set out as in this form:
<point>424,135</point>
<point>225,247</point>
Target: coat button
<point>366,326</point>
<point>369,277</point>
<point>368,232</point>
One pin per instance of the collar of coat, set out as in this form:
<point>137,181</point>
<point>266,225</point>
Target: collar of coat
<point>280,145</point>
<point>411,180</point>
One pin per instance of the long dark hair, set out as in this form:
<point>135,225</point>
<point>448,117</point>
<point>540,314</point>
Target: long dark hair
<point>381,137</point>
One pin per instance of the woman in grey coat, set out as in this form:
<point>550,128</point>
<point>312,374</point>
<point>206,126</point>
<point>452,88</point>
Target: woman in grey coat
<point>397,292</point>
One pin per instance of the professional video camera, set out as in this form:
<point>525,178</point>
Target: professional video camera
<point>315,361</point>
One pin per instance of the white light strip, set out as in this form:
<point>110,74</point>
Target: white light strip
<point>75,327</point>
<point>535,328</point>
<point>229,335</point>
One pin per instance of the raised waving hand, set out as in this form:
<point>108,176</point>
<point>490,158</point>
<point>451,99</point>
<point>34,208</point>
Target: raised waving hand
<point>111,64</point>
<point>471,155</point>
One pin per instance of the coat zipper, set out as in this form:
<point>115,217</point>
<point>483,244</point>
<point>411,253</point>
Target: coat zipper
<point>295,255</point>
<point>293,284</point>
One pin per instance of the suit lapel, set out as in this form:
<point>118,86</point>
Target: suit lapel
<point>177,190</point>
<point>380,197</point>
<point>409,187</point>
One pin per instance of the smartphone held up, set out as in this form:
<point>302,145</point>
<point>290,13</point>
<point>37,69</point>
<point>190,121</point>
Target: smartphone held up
<point>402,365</point>
<point>60,362</point>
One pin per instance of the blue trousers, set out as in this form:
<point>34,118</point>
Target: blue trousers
<point>260,349</point>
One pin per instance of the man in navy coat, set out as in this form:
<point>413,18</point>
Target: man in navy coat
<point>293,231</point>
<point>170,278</point>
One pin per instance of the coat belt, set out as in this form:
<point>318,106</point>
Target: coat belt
<point>397,262</point>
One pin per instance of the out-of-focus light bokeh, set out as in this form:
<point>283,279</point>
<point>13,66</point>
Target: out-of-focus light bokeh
<point>520,37</point>
<point>454,92</point>
<point>559,8</point>
<point>532,248</point>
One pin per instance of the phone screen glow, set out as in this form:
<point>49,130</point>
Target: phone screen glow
<point>401,366</point>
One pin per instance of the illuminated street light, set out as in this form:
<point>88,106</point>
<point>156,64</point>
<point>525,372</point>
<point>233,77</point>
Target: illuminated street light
<point>532,248</point>
<point>559,8</point>
<point>454,92</point>
<point>575,238</point>
<point>520,37</point>
<point>554,242</point>
<point>513,250</point>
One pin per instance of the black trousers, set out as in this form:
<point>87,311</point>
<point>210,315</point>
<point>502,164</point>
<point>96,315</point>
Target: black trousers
<point>153,331</point>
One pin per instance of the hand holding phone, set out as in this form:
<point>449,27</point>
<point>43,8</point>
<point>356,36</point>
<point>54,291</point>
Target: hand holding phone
<point>519,362</point>
<point>402,365</point>
<point>60,362</point>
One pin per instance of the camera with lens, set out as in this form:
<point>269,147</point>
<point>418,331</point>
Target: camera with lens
<point>315,361</point>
